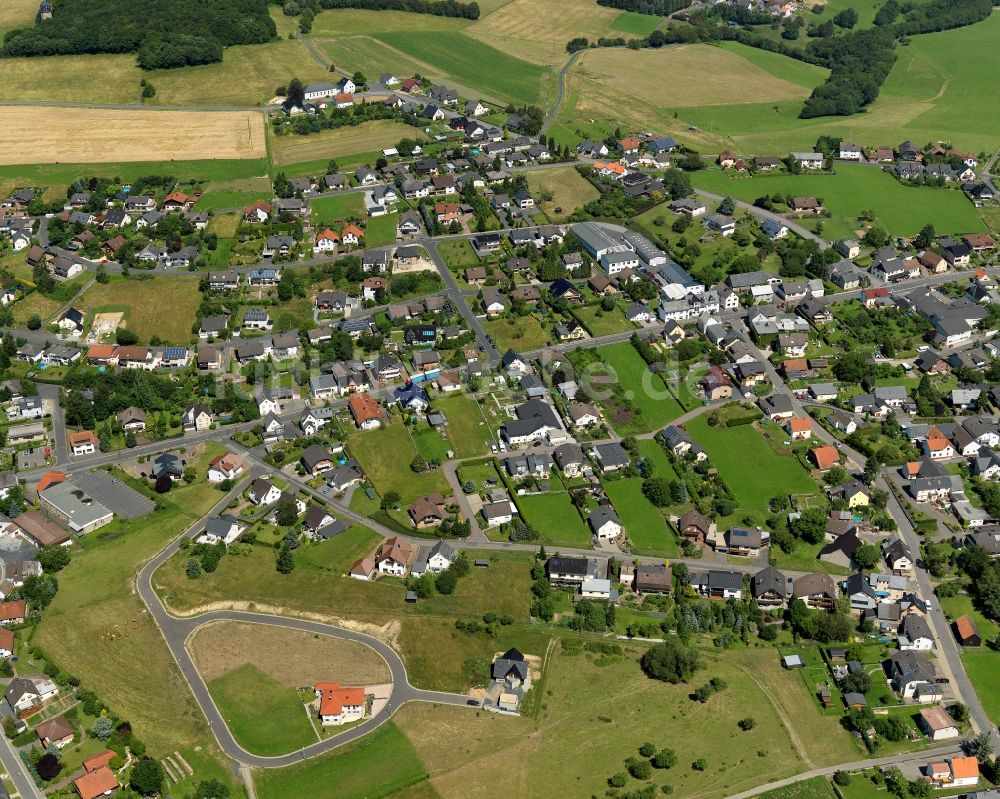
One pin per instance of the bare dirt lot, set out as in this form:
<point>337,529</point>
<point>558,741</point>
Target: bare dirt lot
<point>293,657</point>
<point>83,135</point>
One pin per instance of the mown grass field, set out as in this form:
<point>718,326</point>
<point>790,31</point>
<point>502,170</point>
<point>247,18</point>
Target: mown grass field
<point>646,527</point>
<point>473,63</point>
<point>332,144</point>
<point>372,57</point>
<point>569,190</point>
<point>537,30</point>
<point>17,14</point>
<point>751,469</point>
<point>381,230</point>
<point>647,390</point>
<point>369,448</point>
<point>333,211</point>
<point>815,788</point>
<point>636,24</point>
<point>661,76</point>
<point>70,78</point>
<point>599,322</point>
<point>62,174</point>
<point>981,666</point>
<point>247,75</point>
<point>902,209</point>
<point>380,764</point>
<point>165,307</point>
<point>522,333</point>
<point>468,434</point>
<point>555,519</point>
<point>265,716</point>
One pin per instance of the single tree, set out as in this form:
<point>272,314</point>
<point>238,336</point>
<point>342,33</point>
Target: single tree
<point>147,777</point>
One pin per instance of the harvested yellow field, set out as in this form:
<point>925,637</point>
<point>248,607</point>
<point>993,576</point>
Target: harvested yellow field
<point>691,75</point>
<point>82,135</point>
<point>537,30</point>
<point>293,657</point>
<point>339,142</point>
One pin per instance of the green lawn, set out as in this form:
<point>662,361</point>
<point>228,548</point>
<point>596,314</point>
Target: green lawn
<point>902,209</point>
<point>635,23</point>
<point>645,390</point>
<point>472,63</point>
<point>458,254</point>
<point>468,435</point>
<point>380,764</point>
<point>523,333</point>
<point>653,452</point>
<point>555,519</point>
<point>961,605</point>
<point>369,447</point>
<point>429,442</point>
<point>64,174</point>
<point>381,230</point>
<point>981,666</point>
<point>751,469</point>
<point>266,717</point>
<point>602,323</point>
<point>333,211</point>
<point>646,527</point>
<point>339,553</point>
<point>214,200</point>
<point>815,788</point>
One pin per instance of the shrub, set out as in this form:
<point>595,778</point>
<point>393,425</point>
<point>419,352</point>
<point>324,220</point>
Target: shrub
<point>700,764</point>
<point>670,661</point>
<point>640,769</point>
<point>665,758</point>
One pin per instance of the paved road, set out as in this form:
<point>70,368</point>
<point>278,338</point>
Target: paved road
<point>922,757</point>
<point>15,769</point>
<point>176,631</point>
<point>52,393</point>
<point>458,300</point>
<point>760,214</point>
<point>560,92</point>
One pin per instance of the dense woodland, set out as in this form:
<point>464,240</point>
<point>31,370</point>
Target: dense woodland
<point>659,8</point>
<point>164,35</point>
<point>440,8</point>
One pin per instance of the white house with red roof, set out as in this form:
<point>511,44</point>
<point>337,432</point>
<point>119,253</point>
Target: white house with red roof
<point>339,705</point>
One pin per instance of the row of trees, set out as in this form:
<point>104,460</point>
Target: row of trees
<point>439,8</point>
<point>164,35</point>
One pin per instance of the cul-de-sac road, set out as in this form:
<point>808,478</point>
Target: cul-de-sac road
<point>176,632</point>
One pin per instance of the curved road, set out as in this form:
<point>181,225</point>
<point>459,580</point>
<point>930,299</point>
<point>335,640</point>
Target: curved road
<point>560,92</point>
<point>176,632</point>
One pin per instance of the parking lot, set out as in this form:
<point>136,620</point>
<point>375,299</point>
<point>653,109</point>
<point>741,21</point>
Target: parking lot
<point>115,495</point>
